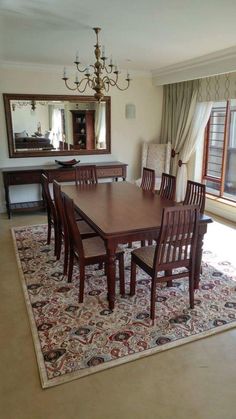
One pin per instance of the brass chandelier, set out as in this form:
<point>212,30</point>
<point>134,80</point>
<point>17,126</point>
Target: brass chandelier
<point>99,79</point>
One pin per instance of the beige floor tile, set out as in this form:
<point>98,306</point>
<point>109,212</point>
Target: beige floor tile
<point>196,381</point>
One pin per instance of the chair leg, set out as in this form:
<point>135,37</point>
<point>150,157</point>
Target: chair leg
<point>55,240</point>
<point>133,278</point>
<point>71,263</point>
<point>153,300</point>
<point>66,249</point>
<point>168,273</point>
<point>49,231</point>
<point>143,243</point>
<point>191,289</point>
<point>121,274</point>
<point>81,282</point>
<point>59,241</point>
<point>129,245</point>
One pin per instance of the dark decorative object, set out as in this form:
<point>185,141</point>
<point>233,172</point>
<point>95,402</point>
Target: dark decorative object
<point>68,163</point>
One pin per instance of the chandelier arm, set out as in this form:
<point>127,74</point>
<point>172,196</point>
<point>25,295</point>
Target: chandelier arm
<point>121,88</point>
<point>85,86</point>
<point>67,85</point>
<point>77,67</point>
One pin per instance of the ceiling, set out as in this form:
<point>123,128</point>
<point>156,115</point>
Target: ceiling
<point>141,35</point>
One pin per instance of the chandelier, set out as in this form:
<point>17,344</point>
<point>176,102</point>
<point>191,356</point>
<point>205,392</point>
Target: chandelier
<point>99,78</point>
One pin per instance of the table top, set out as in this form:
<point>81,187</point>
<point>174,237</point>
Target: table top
<point>119,207</point>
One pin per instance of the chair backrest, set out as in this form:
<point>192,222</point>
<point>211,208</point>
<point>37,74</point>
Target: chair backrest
<point>176,244</point>
<point>85,175</point>
<point>51,210</point>
<point>73,230</point>
<point>168,184</point>
<point>157,157</point>
<point>148,180</point>
<point>58,199</point>
<point>195,195</point>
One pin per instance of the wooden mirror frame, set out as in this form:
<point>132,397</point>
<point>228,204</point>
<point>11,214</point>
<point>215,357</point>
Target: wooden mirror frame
<point>41,153</point>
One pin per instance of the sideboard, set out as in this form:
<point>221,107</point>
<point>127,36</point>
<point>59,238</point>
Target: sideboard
<point>32,175</point>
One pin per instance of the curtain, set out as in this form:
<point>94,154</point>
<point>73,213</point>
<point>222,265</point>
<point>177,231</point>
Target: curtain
<point>56,127</point>
<point>100,125</point>
<point>195,132</point>
<point>179,103</point>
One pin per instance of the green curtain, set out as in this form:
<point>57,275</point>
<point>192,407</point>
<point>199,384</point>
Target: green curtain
<point>179,103</point>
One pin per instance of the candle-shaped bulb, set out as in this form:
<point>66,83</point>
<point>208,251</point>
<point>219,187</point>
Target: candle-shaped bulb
<point>111,63</point>
<point>103,51</point>
<point>64,73</point>
<point>128,76</point>
<point>77,57</point>
<point>76,78</point>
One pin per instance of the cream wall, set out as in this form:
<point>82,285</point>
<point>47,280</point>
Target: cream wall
<point>126,134</point>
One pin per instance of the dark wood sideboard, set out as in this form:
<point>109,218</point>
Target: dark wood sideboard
<point>31,175</point>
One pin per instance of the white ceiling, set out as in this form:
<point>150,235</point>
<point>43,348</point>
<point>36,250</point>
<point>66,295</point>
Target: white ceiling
<point>141,35</point>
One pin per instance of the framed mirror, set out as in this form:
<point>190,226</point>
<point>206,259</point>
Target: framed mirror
<point>52,125</point>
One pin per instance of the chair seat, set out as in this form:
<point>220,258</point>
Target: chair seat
<point>85,228</point>
<point>157,183</point>
<point>94,247</point>
<point>146,255</point>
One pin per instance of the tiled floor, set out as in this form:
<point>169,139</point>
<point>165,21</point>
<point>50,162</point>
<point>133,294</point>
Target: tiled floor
<point>196,381</point>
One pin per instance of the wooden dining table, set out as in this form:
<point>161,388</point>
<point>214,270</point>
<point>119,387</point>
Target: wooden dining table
<point>122,213</point>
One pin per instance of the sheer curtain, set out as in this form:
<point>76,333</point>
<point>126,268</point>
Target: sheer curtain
<point>195,132</point>
<point>56,127</point>
<point>100,125</point>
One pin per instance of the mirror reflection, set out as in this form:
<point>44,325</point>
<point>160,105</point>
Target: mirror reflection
<point>58,126</point>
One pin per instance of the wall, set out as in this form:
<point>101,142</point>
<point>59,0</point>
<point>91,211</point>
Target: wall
<point>126,134</point>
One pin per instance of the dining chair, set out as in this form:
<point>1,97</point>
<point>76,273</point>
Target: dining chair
<point>51,212</point>
<point>195,195</point>
<point>62,228</point>
<point>175,248</point>
<point>88,251</point>
<point>168,184</point>
<point>147,185</point>
<point>85,175</point>
<point>148,180</point>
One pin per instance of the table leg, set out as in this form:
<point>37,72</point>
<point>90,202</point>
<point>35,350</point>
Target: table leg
<point>7,199</point>
<point>111,274</point>
<point>201,233</point>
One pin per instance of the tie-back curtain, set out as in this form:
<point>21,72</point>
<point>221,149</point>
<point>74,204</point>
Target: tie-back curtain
<point>179,103</point>
<point>198,124</point>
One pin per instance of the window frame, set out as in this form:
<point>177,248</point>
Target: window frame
<point>205,177</point>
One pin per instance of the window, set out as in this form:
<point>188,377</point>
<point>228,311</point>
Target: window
<point>219,163</point>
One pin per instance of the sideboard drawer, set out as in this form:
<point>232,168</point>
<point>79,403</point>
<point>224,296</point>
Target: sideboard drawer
<point>109,172</point>
<point>61,175</point>
<point>23,178</point>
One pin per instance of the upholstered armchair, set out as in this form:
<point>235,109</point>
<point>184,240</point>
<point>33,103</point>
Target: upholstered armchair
<point>157,157</point>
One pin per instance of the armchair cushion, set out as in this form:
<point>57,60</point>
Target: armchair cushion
<point>157,157</point>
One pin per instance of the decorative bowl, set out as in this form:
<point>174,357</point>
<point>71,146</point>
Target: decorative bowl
<point>68,163</point>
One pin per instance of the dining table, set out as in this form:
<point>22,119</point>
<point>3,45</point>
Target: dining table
<point>121,212</point>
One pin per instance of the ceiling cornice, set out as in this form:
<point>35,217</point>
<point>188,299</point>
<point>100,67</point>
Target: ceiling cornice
<point>56,68</point>
<point>219,62</point>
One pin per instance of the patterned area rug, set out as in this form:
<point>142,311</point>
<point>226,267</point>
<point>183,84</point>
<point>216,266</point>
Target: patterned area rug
<point>73,340</point>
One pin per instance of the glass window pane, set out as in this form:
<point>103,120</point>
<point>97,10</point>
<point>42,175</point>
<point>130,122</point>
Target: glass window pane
<point>213,188</point>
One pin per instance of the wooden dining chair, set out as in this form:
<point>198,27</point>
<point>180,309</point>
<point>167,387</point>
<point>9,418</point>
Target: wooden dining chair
<point>148,185</point>
<point>62,228</point>
<point>85,175</point>
<point>175,248</point>
<point>168,184</point>
<point>88,251</point>
<point>148,180</point>
<point>51,212</point>
<point>195,195</point>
